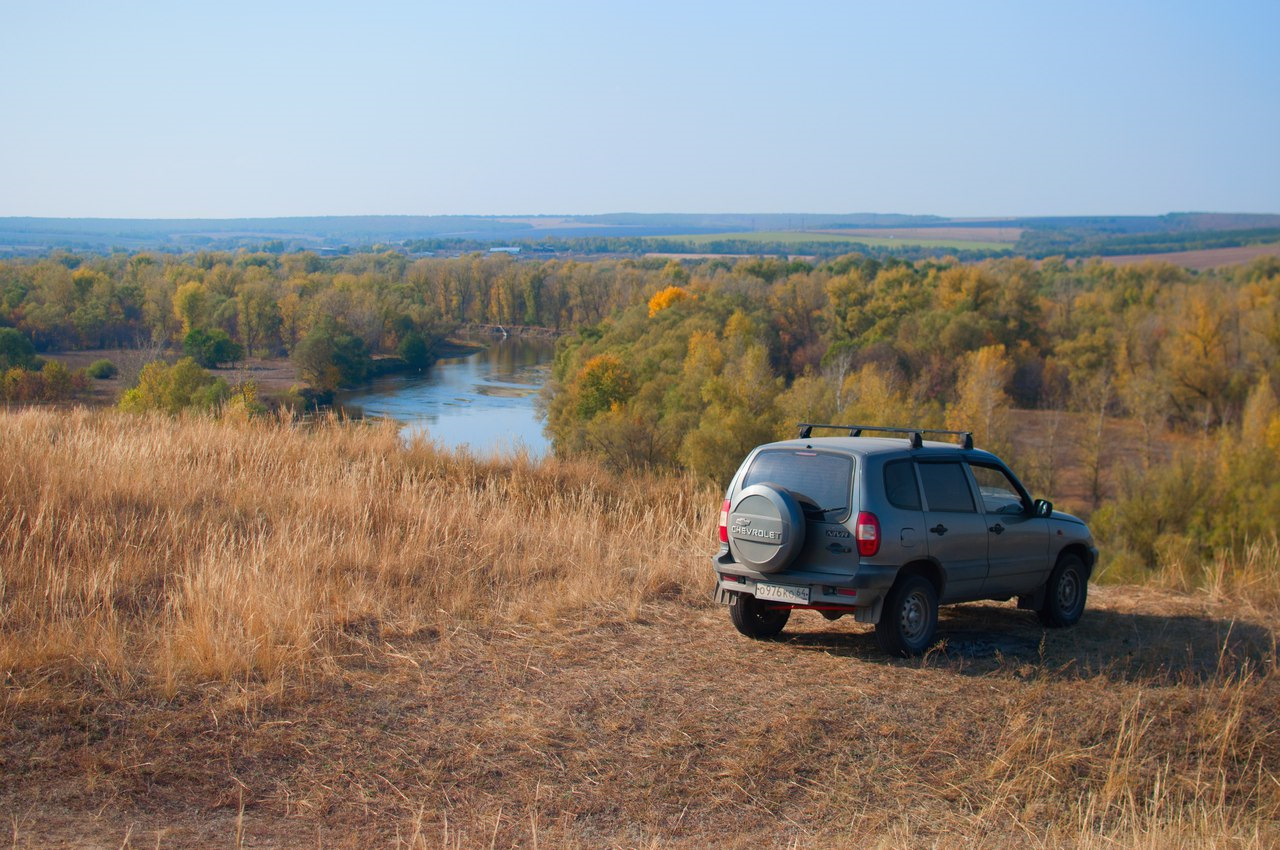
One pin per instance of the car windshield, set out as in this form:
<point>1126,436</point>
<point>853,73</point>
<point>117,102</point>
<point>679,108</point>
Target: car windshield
<point>820,481</point>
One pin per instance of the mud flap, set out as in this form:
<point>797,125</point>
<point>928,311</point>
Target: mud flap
<point>869,613</point>
<point>721,596</point>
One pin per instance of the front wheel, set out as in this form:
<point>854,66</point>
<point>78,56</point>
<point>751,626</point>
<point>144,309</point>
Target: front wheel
<point>909,618</point>
<point>1065,593</point>
<point>756,619</point>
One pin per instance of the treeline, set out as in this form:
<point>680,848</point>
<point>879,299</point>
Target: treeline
<point>638,246</point>
<point>722,357</point>
<point>1088,242</point>
<point>331,315</point>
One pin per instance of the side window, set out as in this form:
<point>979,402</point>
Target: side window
<point>946,487</point>
<point>900,485</point>
<point>999,493</point>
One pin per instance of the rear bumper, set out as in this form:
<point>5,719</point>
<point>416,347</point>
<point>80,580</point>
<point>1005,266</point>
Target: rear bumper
<point>864,587</point>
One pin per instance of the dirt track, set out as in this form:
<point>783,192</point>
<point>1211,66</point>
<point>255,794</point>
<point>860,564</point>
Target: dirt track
<point>670,731</point>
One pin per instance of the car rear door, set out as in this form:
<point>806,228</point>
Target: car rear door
<point>955,531</point>
<point>822,483</point>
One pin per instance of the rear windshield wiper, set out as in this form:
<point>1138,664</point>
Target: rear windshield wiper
<point>814,509</point>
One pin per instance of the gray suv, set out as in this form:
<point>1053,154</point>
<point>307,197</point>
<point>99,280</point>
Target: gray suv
<point>886,528</point>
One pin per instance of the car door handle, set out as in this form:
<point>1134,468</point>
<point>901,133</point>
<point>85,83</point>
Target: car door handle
<point>996,529</point>
<point>838,549</point>
<point>939,529</point>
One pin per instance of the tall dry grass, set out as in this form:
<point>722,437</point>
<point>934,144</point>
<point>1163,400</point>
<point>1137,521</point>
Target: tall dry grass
<point>160,550</point>
<point>140,556</point>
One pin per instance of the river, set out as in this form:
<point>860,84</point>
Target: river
<point>485,401</point>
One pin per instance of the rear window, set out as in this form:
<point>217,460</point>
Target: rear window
<point>821,479</point>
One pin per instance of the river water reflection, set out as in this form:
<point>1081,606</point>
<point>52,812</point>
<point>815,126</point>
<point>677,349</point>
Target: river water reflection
<point>484,401</point>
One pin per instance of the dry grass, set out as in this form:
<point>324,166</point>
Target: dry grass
<point>259,635</point>
<point>165,552</point>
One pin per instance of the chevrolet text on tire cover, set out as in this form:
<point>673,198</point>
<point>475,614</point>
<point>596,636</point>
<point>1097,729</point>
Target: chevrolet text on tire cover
<point>886,528</point>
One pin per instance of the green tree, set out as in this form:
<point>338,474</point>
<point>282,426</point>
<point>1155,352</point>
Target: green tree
<point>211,348</point>
<point>603,382</point>
<point>329,358</point>
<point>175,388</point>
<point>15,350</point>
<point>740,414</point>
<point>415,351</point>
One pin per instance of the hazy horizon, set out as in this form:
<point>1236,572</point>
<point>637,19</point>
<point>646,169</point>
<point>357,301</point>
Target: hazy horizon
<point>235,110</point>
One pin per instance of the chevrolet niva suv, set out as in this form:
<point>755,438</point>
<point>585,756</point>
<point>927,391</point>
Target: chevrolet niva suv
<point>885,529</point>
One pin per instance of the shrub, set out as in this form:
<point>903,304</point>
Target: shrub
<point>329,357</point>
<point>212,348</point>
<point>15,350</point>
<point>175,388</point>
<point>415,351</point>
<point>101,370</point>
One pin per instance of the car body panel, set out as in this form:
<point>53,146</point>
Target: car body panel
<point>968,561</point>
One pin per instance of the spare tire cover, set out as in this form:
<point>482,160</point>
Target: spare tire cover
<point>766,527</point>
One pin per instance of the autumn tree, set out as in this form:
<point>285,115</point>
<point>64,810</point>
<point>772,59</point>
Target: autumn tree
<point>982,405</point>
<point>191,305</point>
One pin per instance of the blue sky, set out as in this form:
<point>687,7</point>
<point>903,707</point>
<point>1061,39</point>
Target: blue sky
<point>968,109</point>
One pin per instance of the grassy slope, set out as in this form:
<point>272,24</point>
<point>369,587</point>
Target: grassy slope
<point>223,631</point>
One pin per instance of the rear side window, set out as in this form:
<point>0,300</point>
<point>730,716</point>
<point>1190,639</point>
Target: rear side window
<point>822,479</point>
<point>900,485</point>
<point>946,488</point>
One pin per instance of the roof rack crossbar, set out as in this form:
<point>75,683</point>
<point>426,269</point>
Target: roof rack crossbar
<point>915,435</point>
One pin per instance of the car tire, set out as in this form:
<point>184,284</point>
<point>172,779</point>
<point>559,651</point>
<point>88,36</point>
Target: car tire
<point>756,619</point>
<point>1065,593</point>
<point>909,619</point>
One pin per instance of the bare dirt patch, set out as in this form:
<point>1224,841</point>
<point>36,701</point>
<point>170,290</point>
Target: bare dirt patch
<point>1209,258</point>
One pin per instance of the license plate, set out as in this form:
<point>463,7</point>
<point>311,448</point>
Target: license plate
<point>782,593</point>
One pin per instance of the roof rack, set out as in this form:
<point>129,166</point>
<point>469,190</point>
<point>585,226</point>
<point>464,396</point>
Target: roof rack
<point>915,435</point>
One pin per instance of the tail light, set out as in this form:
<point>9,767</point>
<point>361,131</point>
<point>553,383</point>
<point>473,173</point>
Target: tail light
<point>867,533</point>
<point>724,522</point>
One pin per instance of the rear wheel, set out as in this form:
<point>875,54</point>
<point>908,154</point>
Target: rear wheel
<point>756,619</point>
<point>1065,593</point>
<point>909,618</point>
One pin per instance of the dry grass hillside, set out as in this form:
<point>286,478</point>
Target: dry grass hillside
<point>254,634</point>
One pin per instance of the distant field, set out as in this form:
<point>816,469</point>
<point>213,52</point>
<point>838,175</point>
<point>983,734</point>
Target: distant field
<point>1208,258</point>
<point>985,235</point>
<point>797,237</point>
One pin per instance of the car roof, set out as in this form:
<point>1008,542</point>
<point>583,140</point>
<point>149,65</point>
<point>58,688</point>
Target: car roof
<point>866,446</point>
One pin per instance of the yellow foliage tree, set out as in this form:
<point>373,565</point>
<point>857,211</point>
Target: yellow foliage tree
<point>666,297</point>
<point>605,381</point>
<point>190,303</point>
<point>981,405</point>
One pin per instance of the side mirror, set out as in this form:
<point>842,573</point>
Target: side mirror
<point>1043,507</point>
